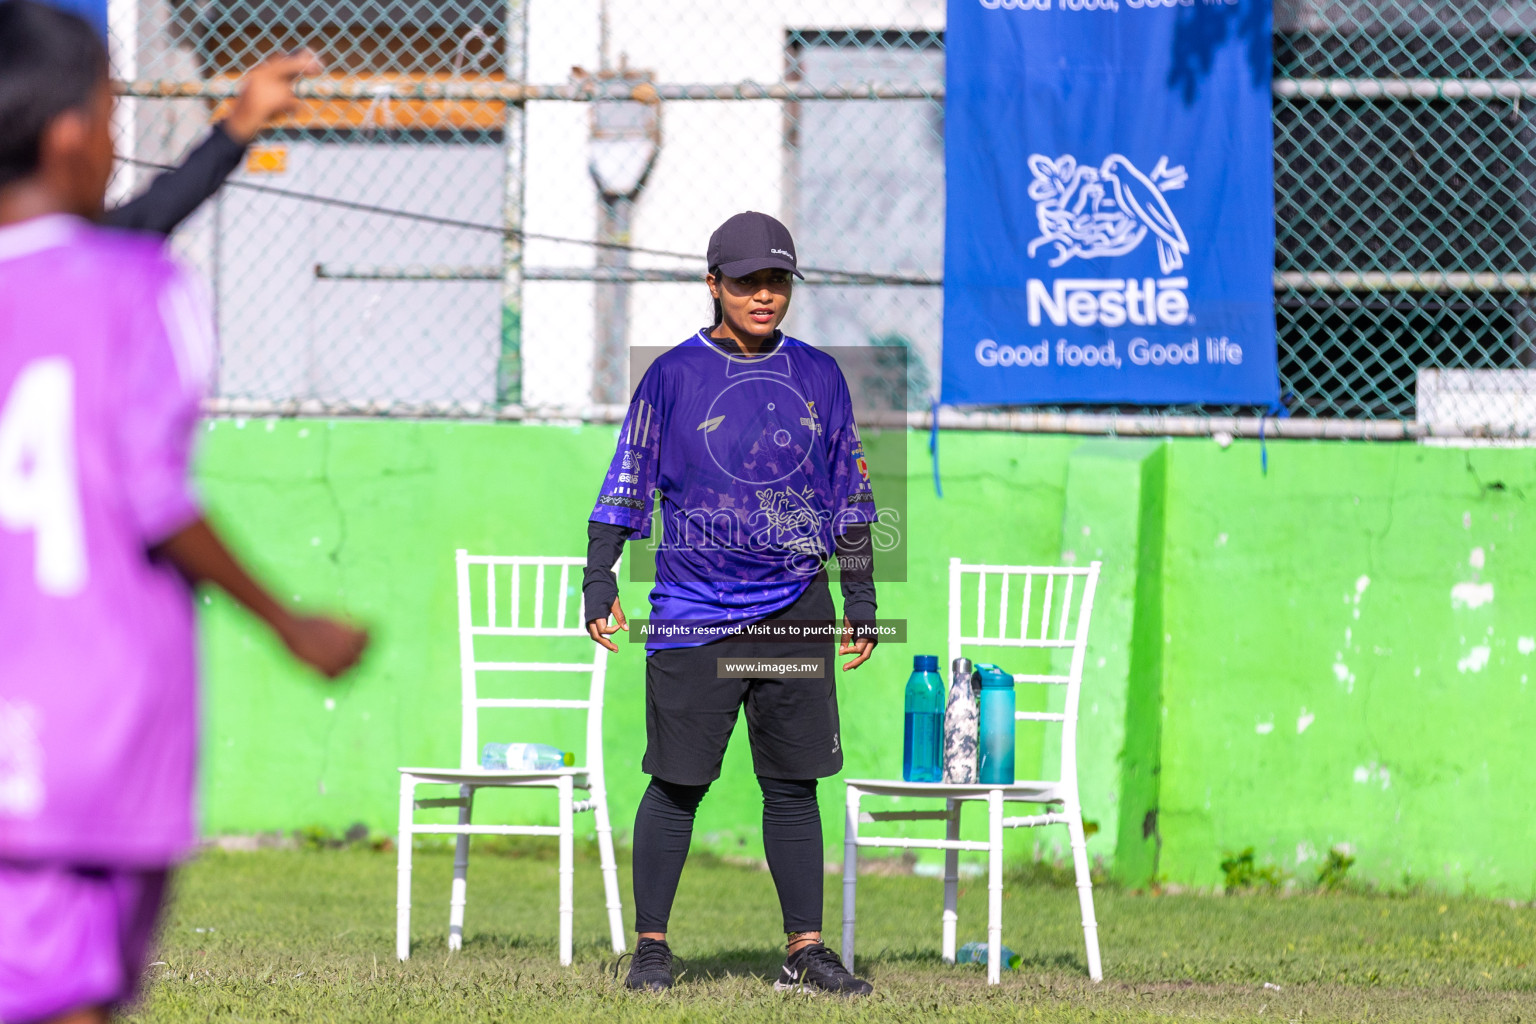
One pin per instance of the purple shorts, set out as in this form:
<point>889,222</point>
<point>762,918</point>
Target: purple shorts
<point>73,937</point>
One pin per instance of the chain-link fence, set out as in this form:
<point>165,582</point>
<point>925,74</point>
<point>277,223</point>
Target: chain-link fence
<point>484,204</point>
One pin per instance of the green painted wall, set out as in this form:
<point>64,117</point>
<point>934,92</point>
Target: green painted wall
<point>1138,843</point>
<point>1348,660</point>
<point>1114,499</point>
<point>1289,661</point>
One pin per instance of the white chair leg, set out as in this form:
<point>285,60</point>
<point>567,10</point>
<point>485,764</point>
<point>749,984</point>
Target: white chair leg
<point>403,868</point>
<point>951,880</point>
<point>1084,891</point>
<point>850,873</point>
<point>994,886</point>
<point>460,874</point>
<point>610,868</point>
<point>567,866</point>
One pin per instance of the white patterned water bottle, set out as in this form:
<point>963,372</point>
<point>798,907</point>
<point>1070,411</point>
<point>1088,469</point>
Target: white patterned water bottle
<point>961,725</point>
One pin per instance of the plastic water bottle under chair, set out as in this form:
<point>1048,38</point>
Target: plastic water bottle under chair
<point>976,953</point>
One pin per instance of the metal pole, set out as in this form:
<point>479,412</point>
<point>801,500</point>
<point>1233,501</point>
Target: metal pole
<point>626,137</point>
<point>520,91</point>
<point>609,380</point>
<point>602,36</point>
<point>123,42</point>
<point>509,366</point>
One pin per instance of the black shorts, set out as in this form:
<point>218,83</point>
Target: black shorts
<point>792,723</point>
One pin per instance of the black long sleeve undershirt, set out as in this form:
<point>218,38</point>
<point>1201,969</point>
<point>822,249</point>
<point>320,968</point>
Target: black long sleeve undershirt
<point>855,557</point>
<point>856,560</point>
<point>599,585</point>
<point>173,195</point>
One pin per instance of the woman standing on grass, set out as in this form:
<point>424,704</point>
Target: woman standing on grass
<point>748,436</point>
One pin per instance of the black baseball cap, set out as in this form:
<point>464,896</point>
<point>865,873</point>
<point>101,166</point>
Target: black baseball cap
<point>750,242</point>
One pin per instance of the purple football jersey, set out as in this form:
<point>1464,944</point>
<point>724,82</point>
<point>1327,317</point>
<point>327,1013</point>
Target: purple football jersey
<point>759,466</point>
<point>105,352</point>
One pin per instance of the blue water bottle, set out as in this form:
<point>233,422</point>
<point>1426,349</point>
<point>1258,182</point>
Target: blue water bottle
<point>922,751</point>
<point>996,739</point>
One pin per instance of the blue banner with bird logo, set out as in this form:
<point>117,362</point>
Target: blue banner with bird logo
<point>1109,231</point>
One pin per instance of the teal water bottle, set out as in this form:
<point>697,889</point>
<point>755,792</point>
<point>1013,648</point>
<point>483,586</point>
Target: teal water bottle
<point>997,707</point>
<point>922,751</point>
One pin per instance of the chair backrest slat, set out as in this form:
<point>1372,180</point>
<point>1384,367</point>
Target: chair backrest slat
<point>981,603</point>
<point>1066,607</point>
<point>1067,632</point>
<point>1002,607</point>
<point>517,596</point>
<point>490,594</point>
<point>562,603</point>
<point>1029,583</point>
<point>1045,613</point>
<point>538,597</point>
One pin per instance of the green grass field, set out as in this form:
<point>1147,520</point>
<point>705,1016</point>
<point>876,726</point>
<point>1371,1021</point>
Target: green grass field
<point>309,935</point>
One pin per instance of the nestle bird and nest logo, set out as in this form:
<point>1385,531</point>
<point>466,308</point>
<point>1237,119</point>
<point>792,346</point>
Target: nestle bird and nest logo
<point>1086,211</point>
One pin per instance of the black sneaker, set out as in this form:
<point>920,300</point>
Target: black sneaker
<point>650,966</point>
<point>815,968</point>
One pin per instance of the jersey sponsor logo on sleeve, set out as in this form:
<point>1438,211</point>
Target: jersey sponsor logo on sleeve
<point>628,478</point>
<point>863,467</point>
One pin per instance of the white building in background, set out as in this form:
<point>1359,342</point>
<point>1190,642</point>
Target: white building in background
<point>314,300</point>
<point>859,183</point>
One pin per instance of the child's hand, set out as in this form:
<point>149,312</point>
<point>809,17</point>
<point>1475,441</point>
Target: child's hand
<point>326,645</point>
<point>268,92</point>
<point>329,646</point>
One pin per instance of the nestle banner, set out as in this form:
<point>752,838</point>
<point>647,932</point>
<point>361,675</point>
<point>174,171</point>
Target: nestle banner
<point>1110,220</point>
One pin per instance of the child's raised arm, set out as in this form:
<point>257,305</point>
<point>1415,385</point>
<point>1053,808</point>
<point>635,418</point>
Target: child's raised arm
<point>328,646</point>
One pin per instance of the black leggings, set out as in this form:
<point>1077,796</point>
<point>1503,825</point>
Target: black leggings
<point>791,838</point>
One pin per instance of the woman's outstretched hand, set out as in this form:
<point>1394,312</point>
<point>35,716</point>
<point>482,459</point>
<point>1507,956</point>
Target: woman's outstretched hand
<point>863,648</point>
<point>600,629</point>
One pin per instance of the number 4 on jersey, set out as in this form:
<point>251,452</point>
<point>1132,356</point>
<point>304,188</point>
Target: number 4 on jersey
<point>39,492</point>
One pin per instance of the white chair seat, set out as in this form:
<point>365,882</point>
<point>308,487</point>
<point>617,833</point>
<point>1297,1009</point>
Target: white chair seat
<point>491,776</point>
<point>1034,792</point>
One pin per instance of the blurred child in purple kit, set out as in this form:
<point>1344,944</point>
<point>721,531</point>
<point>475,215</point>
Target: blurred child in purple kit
<point>105,351</point>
